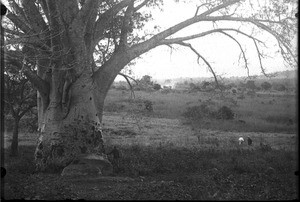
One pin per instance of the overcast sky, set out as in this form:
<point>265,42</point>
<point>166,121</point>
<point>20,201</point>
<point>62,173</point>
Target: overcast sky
<point>221,51</point>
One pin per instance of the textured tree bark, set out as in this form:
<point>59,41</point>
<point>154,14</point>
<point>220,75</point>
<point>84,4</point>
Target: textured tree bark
<point>60,125</point>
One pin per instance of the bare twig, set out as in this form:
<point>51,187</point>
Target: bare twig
<point>243,52</point>
<point>206,62</point>
<point>127,79</point>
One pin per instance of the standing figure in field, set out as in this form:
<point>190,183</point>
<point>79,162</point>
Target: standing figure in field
<point>116,158</point>
<point>241,140</point>
<point>249,141</point>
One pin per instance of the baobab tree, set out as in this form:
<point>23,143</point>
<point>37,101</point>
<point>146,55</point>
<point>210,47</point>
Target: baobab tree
<point>78,47</point>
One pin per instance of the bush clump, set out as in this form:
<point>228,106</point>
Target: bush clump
<point>148,105</point>
<point>197,112</point>
<point>204,111</point>
<point>225,113</point>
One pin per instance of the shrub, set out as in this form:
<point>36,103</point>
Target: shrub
<point>280,87</point>
<point>250,85</point>
<point>225,113</point>
<point>198,112</point>
<point>156,86</point>
<point>266,85</point>
<point>148,105</point>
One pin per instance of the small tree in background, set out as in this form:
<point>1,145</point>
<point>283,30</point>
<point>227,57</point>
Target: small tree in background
<point>279,87</point>
<point>145,83</point>
<point>156,86</point>
<point>250,85</point>
<point>266,86</point>
<point>146,79</point>
<point>19,98</point>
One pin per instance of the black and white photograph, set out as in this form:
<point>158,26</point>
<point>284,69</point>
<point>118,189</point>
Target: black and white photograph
<point>149,100</point>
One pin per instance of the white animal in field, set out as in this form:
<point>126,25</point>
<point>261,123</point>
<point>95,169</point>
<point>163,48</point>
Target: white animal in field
<point>241,140</point>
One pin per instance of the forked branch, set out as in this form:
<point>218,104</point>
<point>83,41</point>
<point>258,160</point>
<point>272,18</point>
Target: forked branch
<point>127,79</point>
<point>200,56</point>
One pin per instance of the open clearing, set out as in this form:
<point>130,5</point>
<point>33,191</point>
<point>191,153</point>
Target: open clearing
<point>164,156</point>
<point>122,129</point>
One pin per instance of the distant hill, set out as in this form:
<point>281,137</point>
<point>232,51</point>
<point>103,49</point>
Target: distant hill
<point>288,74</point>
<point>288,78</point>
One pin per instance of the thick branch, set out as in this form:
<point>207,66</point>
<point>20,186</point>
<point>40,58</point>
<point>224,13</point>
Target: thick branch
<point>44,6</point>
<point>152,42</point>
<point>88,8</point>
<point>26,110</point>
<point>13,32</point>
<point>34,17</point>
<point>68,10</point>
<point>141,5</point>
<point>19,23</point>
<point>55,26</point>
<point>258,23</point>
<point>106,18</point>
<point>174,40</point>
<point>53,21</point>
<point>18,10</point>
<point>126,25</point>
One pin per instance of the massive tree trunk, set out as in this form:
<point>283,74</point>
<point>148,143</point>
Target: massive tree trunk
<point>66,123</point>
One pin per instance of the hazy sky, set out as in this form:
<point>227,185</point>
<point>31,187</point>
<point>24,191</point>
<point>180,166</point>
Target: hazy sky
<point>221,51</point>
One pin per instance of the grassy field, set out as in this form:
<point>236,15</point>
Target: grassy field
<point>166,155</point>
<point>262,112</point>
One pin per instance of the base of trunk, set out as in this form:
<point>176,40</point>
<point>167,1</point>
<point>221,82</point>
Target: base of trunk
<point>90,164</point>
<point>59,149</point>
